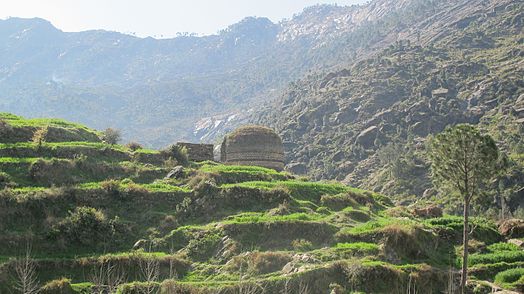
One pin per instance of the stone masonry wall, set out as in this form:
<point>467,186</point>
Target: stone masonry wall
<point>198,152</point>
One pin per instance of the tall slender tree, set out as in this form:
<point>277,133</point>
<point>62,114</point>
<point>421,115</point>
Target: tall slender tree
<point>465,160</point>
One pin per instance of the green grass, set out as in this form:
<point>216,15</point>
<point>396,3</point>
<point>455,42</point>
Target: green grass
<point>300,190</point>
<point>60,144</point>
<point>161,187</point>
<point>377,225</point>
<point>18,159</point>
<point>358,246</point>
<point>18,121</point>
<point>498,247</point>
<point>220,168</point>
<point>29,189</point>
<point>510,278</point>
<point>147,151</point>
<point>265,218</point>
<point>500,256</point>
<point>152,187</point>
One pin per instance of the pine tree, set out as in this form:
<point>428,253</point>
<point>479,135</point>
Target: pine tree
<point>465,160</point>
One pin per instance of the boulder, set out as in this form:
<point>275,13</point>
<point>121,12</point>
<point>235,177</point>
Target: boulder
<point>297,168</point>
<point>512,228</point>
<point>175,173</point>
<point>367,137</point>
<point>140,244</point>
<point>517,242</point>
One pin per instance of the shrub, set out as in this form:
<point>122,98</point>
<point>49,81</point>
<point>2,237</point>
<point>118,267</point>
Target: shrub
<point>39,136</point>
<point>5,179</point>
<point>302,245</point>
<point>176,152</point>
<point>5,129</point>
<point>323,210</point>
<point>135,189</point>
<point>204,247</point>
<point>111,186</point>
<point>61,286</point>
<point>268,262</point>
<point>357,215</point>
<point>259,262</point>
<point>338,202</point>
<point>86,226</point>
<point>282,209</point>
<point>133,146</point>
<point>111,136</point>
<point>168,224</point>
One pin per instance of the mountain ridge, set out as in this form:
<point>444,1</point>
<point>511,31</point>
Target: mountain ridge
<point>187,78</point>
<point>465,69</point>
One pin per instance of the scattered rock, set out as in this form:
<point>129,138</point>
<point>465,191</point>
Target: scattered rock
<point>518,242</point>
<point>428,193</point>
<point>296,265</point>
<point>297,168</point>
<point>512,228</point>
<point>175,173</point>
<point>140,244</point>
<point>367,137</point>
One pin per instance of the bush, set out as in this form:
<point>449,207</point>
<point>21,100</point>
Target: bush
<point>259,262</point>
<point>338,202</point>
<point>302,245</point>
<point>176,152</point>
<point>61,286</point>
<point>111,136</point>
<point>133,188</point>
<point>5,129</point>
<point>204,247</point>
<point>133,146</point>
<point>39,136</point>
<point>111,186</point>
<point>86,226</point>
<point>268,262</point>
<point>5,179</point>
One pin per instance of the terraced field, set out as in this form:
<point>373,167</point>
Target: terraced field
<point>100,218</point>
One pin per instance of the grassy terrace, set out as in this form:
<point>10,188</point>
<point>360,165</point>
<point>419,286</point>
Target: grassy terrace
<point>86,204</point>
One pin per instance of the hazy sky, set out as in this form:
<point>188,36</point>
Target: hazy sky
<point>155,17</point>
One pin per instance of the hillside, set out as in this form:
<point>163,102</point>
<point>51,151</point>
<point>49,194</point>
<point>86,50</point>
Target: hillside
<point>98,216</point>
<point>192,88</point>
<point>366,124</point>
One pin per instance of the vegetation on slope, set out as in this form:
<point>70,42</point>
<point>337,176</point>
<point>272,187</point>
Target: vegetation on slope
<point>366,124</point>
<point>218,228</point>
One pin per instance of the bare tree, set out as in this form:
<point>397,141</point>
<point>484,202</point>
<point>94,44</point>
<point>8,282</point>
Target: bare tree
<point>106,278</point>
<point>303,288</point>
<point>249,288</point>
<point>286,287</point>
<point>412,287</point>
<point>172,268</point>
<point>26,280</point>
<point>246,287</point>
<point>150,270</point>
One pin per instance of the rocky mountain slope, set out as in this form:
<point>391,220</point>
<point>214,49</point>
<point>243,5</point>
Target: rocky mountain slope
<point>163,90</point>
<point>366,124</point>
<point>89,217</point>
